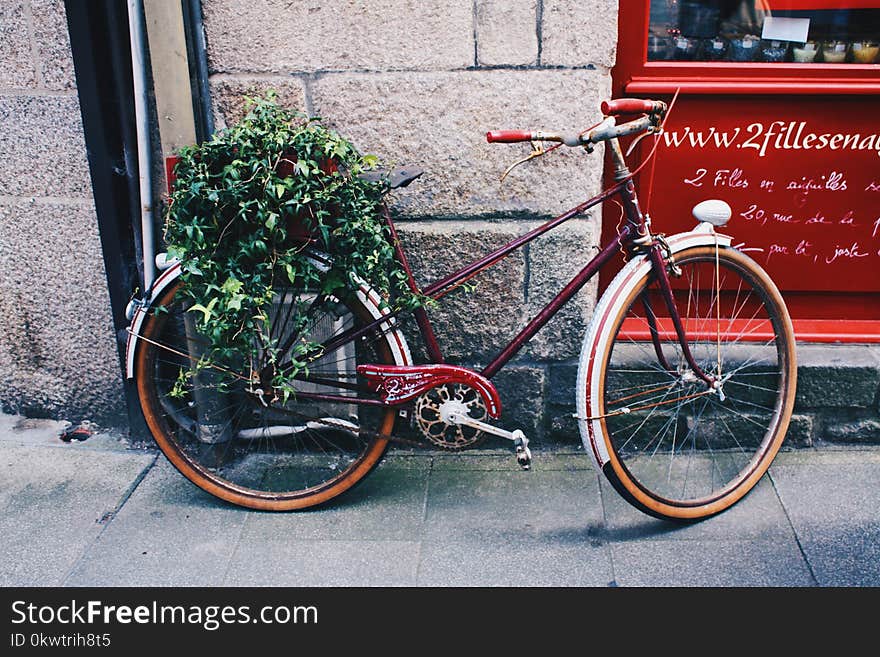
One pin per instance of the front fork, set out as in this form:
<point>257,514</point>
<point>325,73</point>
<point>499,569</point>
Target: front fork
<point>663,263</point>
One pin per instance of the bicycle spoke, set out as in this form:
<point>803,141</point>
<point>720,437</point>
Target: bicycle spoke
<point>221,431</point>
<point>676,448</point>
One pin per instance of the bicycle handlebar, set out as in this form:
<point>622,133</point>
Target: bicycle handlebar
<point>632,106</point>
<point>515,136</point>
<point>508,136</point>
<point>608,129</point>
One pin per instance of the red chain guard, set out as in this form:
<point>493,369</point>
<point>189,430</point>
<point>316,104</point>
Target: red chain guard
<point>401,383</point>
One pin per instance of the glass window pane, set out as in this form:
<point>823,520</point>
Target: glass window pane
<point>739,31</point>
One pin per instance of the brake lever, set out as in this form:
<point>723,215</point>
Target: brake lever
<point>638,140</point>
<point>655,129</point>
<point>537,151</point>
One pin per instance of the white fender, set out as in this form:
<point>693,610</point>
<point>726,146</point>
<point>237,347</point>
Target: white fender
<point>599,334</point>
<point>366,294</point>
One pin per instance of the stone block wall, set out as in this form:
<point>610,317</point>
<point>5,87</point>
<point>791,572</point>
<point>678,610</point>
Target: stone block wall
<point>838,396</point>
<point>57,350</point>
<point>413,81</point>
<point>420,83</point>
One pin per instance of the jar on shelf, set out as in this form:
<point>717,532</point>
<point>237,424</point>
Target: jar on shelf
<point>773,51</point>
<point>804,53</point>
<point>834,52</point>
<point>684,48</point>
<point>714,49</point>
<point>866,52</point>
<point>745,48</point>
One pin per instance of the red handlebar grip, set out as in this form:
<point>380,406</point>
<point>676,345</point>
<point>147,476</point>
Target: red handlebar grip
<point>629,106</point>
<point>508,136</point>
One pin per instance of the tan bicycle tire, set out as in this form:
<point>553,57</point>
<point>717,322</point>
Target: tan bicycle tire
<point>617,472</point>
<point>228,491</point>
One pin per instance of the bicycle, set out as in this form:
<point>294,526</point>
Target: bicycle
<point>685,385</point>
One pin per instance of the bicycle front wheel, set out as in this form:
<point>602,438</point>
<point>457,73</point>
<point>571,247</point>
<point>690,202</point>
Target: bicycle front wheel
<point>677,447</point>
<point>245,447</point>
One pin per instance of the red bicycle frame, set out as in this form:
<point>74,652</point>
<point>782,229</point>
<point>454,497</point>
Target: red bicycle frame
<point>634,234</point>
<point>441,287</point>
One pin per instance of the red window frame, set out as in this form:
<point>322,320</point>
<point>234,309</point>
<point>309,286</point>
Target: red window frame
<point>840,316</point>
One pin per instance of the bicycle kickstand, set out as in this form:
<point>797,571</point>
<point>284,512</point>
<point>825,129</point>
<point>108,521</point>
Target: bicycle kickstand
<point>520,442</point>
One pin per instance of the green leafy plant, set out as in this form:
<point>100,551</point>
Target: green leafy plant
<point>244,207</point>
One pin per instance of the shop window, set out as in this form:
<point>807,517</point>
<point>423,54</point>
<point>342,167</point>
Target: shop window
<point>774,31</point>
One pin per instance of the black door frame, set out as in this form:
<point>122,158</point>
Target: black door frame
<point>102,61</point>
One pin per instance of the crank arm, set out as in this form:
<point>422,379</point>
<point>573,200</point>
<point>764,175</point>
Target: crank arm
<point>523,454</point>
<point>468,421</point>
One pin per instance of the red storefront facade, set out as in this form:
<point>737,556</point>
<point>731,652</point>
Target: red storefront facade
<point>778,113</point>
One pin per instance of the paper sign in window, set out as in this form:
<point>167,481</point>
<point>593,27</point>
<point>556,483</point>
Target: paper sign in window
<point>778,28</point>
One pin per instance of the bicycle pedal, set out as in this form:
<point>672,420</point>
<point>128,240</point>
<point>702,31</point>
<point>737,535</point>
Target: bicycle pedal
<point>524,458</point>
<point>523,453</point>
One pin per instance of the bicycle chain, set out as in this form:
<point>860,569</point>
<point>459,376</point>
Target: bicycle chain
<point>339,425</point>
<point>331,423</point>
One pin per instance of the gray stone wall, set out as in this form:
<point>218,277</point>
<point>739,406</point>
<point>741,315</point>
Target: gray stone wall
<point>838,396</point>
<point>57,350</point>
<point>414,81</point>
<point>419,82</point>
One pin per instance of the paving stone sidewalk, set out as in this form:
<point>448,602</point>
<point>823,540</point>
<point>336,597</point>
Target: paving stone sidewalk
<point>96,513</point>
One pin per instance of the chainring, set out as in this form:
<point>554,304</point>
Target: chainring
<point>447,436</point>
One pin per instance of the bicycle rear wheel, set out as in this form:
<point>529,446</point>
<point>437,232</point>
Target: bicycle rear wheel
<point>280,455</point>
<point>677,448</point>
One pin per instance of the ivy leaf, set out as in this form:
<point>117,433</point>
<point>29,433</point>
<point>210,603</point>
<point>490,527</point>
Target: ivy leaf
<point>235,302</point>
<point>291,272</point>
<point>231,286</point>
<point>191,267</point>
<point>279,190</point>
<point>207,311</point>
